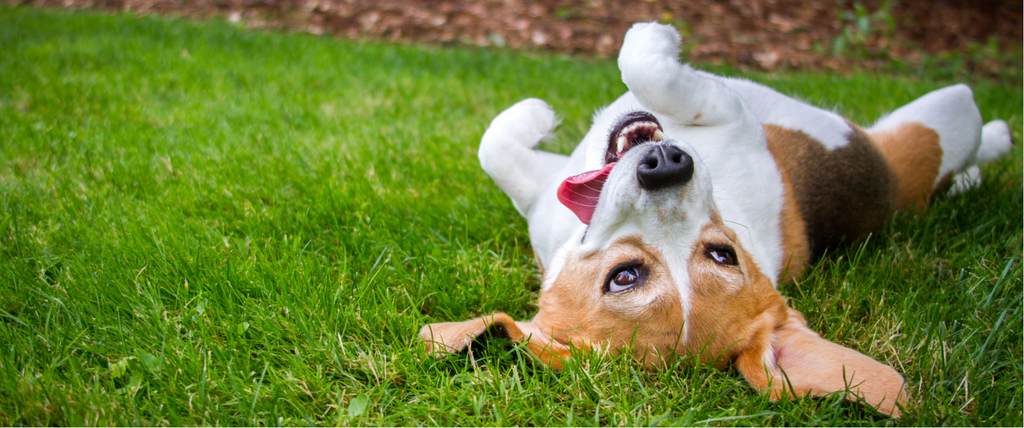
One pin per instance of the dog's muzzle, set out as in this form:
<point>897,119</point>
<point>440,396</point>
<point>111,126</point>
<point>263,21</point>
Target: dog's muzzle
<point>664,165</point>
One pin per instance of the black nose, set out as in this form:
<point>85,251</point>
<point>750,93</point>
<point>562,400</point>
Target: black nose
<point>664,165</point>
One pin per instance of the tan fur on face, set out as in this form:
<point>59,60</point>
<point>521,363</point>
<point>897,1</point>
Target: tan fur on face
<point>796,251</point>
<point>731,316</point>
<point>735,317</point>
<point>648,316</point>
<point>732,308</point>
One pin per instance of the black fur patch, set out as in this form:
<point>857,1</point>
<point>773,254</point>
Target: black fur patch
<point>843,194</point>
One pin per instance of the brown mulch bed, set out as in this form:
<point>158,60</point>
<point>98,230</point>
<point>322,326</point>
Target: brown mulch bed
<point>758,34</point>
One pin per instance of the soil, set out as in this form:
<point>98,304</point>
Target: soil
<point>758,34</point>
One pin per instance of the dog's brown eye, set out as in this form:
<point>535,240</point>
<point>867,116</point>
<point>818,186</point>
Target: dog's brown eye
<point>722,254</point>
<point>624,277</point>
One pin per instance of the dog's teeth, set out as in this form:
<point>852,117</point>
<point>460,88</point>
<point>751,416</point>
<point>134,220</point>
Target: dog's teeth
<point>637,131</point>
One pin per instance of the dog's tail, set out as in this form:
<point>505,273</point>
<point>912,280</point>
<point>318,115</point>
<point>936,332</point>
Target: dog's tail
<point>996,142</point>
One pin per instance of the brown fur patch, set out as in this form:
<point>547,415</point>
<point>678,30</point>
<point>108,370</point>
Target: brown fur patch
<point>811,365</point>
<point>650,318</point>
<point>732,308</point>
<point>448,337</point>
<point>796,250</point>
<point>844,193</point>
<point>914,156</point>
<point>734,316</point>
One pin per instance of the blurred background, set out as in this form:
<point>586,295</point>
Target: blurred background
<point>980,37</point>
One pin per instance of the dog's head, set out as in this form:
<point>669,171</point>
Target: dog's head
<point>657,271</point>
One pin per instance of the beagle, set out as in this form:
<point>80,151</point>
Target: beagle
<point>670,225</point>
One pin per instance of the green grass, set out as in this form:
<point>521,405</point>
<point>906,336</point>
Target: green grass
<point>205,225</point>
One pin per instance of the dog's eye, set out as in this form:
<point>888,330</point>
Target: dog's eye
<point>624,277</point>
<point>722,254</point>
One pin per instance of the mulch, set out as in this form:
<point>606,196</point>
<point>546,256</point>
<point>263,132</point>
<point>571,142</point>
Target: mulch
<point>751,34</point>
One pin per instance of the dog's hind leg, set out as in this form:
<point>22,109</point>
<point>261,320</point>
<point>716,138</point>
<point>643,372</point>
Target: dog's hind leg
<point>935,138</point>
<point>507,151</point>
<point>996,142</point>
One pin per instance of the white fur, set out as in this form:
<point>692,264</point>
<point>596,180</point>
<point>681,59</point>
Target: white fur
<point>718,121</point>
<point>771,107</point>
<point>506,151</point>
<point>668,219</point>
<point>965,181</point>
<point>949,111</point>
<point>996,142</point>
<point>699,109</point>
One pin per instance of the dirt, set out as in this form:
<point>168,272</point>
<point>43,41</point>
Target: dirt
<point>758,34</point>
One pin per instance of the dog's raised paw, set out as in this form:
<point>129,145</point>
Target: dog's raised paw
<point>650,39</point>
<point>528,122</point>
<point>649,60</point>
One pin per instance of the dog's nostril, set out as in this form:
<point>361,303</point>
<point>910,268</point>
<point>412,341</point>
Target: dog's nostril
<point>664,165</point>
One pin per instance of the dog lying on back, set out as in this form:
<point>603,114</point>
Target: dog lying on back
<point>692,196</point>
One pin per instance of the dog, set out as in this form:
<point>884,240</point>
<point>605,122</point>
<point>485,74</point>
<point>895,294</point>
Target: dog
<point>692,196</point>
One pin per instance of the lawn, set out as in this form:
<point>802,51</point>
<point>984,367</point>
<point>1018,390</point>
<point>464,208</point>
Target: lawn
<point>206,225</point>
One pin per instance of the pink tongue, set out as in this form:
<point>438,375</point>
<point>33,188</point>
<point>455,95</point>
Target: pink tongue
<point>580,193</point>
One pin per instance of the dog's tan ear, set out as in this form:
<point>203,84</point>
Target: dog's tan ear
<point>798,362</point>
<point>450,337</point>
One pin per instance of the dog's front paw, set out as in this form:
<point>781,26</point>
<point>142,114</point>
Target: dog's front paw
<point>649,40</point>
<point>527,122</point>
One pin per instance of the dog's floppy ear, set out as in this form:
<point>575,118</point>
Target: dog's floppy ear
<point>799,362</point>
<point>450,337</point>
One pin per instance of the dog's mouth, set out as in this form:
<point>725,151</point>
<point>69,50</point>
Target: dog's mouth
<point>632,130</point>
<point>580,193</point>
